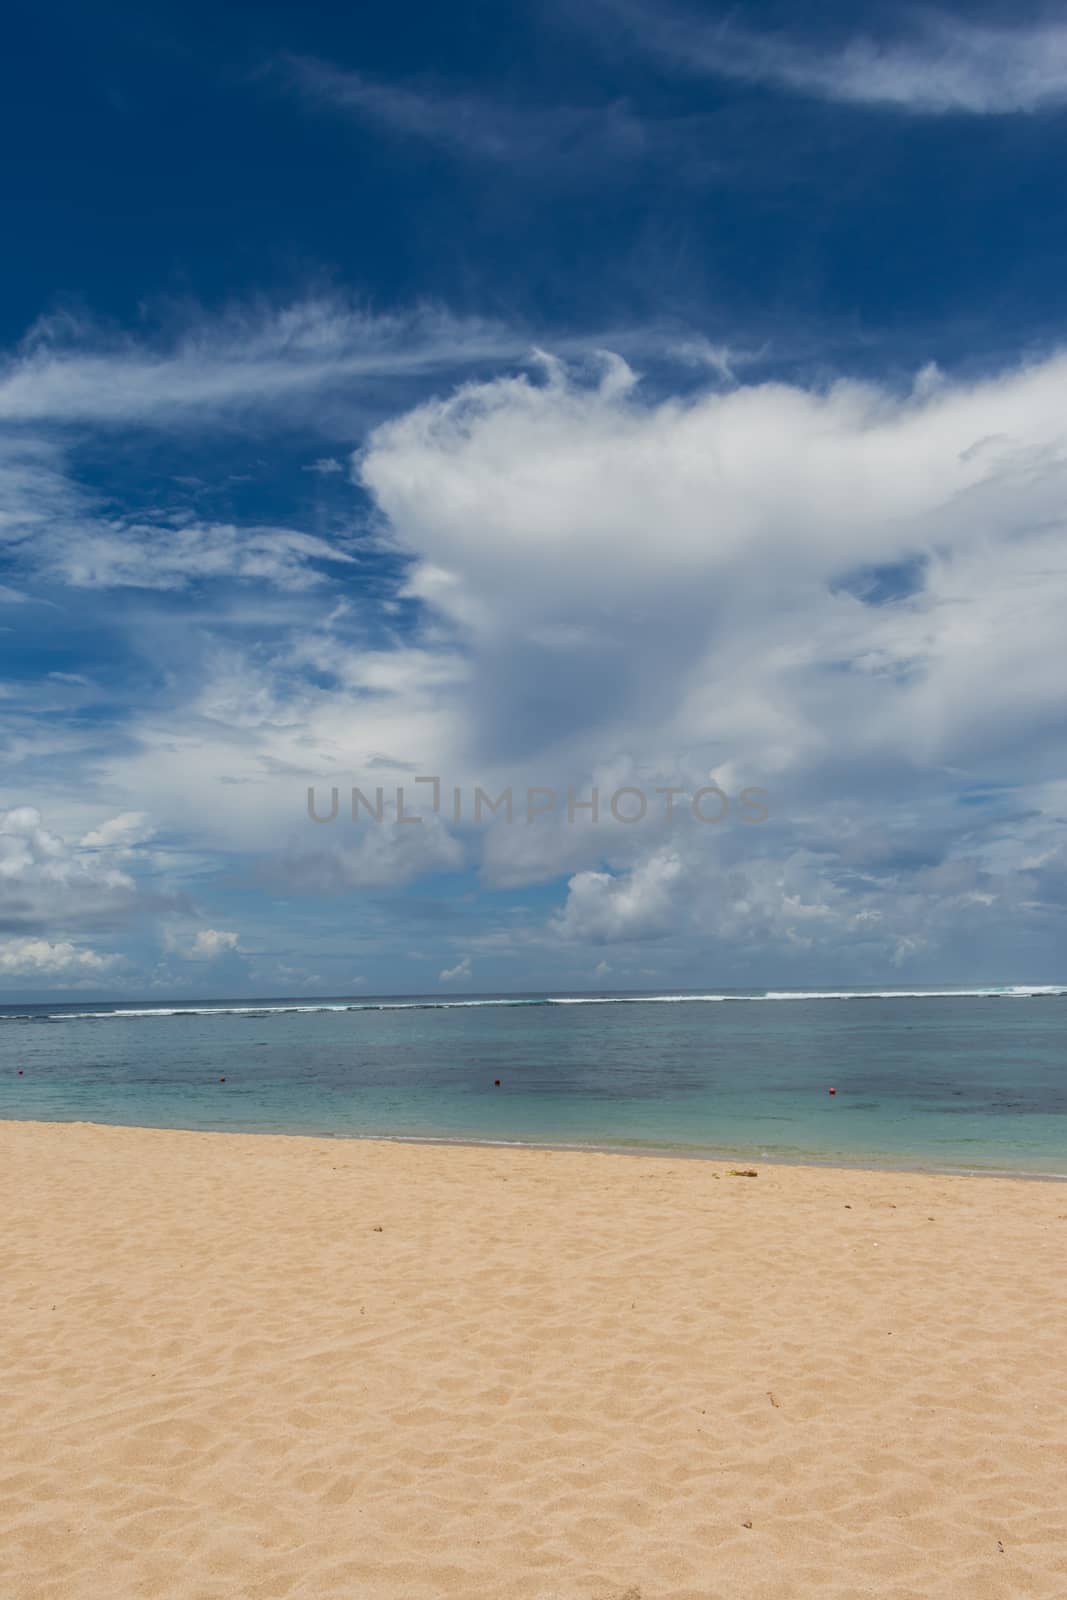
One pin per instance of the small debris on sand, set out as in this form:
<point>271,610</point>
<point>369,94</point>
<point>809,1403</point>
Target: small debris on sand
<point>743,1172</point>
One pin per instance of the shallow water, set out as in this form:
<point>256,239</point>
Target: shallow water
<point>973,1081</point>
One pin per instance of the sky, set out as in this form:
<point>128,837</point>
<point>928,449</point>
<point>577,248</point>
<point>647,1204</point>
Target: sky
<point>660,400</point>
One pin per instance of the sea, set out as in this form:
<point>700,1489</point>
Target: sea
<point>954,1080</point>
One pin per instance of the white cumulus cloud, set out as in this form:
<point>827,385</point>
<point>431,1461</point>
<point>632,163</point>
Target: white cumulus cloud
<point>47,882</point>
<point>31,957</point>
<point>210,943</point>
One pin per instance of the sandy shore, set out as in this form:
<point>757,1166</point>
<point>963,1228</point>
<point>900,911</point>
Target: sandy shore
<point>240,1368</point>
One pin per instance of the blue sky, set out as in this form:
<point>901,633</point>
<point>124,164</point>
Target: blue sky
<point>532,396</point>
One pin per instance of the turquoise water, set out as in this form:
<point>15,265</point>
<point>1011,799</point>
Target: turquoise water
<point>973,1081</point>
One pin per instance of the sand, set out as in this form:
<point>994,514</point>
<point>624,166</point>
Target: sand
<point>236,1368</point>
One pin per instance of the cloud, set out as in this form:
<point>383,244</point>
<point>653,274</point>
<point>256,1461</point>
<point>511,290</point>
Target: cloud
<point>804,903</point>
<point>33,957</point>
<point>47,883</point>
<point>942,64</point>
<point>248,361</point>
<point>35,491</point>
<point>210,943</point>
<point>460,973</point>
<point>321,363</point>
<point>57,531</point>
<point>602,909</point>
<point>848,593</point>
<point>491,130</point>
<point>685,564</point>
<point>121,832</point>
<point>365,856</point>
<point>135,555</point>
<point>844,594</point>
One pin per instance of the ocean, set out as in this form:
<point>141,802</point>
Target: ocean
<point>952,1080</point>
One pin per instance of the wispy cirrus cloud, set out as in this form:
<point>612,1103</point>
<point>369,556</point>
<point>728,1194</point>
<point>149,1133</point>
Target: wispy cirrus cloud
<point>473,124</point>
<point>255,367</point>
<point>136,555</point>
<point>277,363</point>
<point>936,64</point>
<point>34,488</point>
<point>122,833</point>
<point>569,143</point>
<point>250,359</point>
<point>56,531</point>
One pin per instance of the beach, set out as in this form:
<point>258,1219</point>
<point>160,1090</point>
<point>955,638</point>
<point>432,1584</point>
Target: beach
<point>256,1366</point>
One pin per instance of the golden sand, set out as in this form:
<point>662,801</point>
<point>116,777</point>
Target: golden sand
<point>240,1368</point>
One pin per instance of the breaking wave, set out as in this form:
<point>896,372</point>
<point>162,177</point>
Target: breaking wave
<point>1014,991</point>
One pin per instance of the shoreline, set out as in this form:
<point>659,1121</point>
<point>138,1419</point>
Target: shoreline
<point>645,1152</point>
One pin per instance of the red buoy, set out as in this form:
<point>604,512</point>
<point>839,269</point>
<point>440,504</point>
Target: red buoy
<point>832,1091</point>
